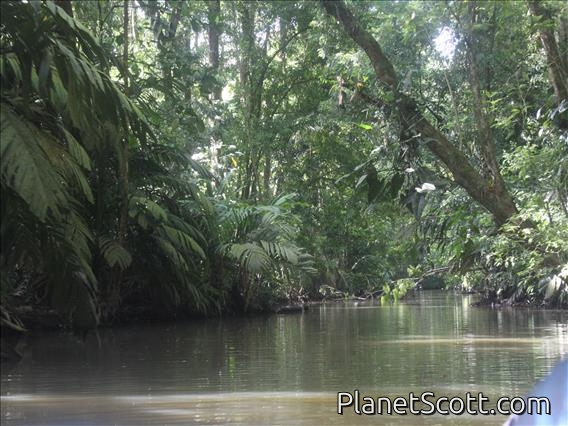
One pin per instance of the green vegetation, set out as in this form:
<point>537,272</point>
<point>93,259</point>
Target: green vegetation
<point>208,157</point>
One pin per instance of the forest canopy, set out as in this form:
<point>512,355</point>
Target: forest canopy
<point>210,157</point>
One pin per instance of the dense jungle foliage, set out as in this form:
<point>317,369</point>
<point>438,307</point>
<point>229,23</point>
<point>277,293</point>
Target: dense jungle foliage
<point>212,157</point>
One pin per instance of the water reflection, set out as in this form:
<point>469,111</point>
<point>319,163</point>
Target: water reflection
<point>284,369</point>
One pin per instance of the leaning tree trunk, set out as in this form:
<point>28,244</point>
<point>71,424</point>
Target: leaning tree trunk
<point>494,197</point>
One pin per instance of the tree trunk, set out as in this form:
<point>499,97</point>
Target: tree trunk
<point>122,223</point>
<point>213,15</point>
<point>267,173</point>
<point>557,66</point>
<point>495,198</point>
<point>247,12</point>
<point>165,44</point>
<point>112,296</point>
<point>485,140</point>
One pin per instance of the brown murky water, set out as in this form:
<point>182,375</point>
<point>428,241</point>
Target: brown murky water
<point>285,369</point>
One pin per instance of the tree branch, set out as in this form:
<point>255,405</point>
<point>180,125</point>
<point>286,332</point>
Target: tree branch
<point>498,202</point>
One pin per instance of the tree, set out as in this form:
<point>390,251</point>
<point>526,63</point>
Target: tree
<point>490,193</point>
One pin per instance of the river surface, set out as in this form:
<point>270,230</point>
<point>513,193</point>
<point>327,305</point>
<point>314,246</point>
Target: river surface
<point>285,369</point>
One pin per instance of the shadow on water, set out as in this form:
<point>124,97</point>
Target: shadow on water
<point>285,369</point>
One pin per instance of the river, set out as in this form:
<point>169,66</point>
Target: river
<point>285,369</point>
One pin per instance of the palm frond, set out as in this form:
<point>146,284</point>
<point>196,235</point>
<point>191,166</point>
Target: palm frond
<point>114,253</point>
<point>182,270</point>
<point>76,150</point>
<point>251,256</point>
<point>146,211</point>
<point>181,240</point>
<point>67,167</point>
<point>26,166</point>
<point>287,253</point>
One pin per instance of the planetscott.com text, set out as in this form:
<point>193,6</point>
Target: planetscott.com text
<point>428,403</point>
